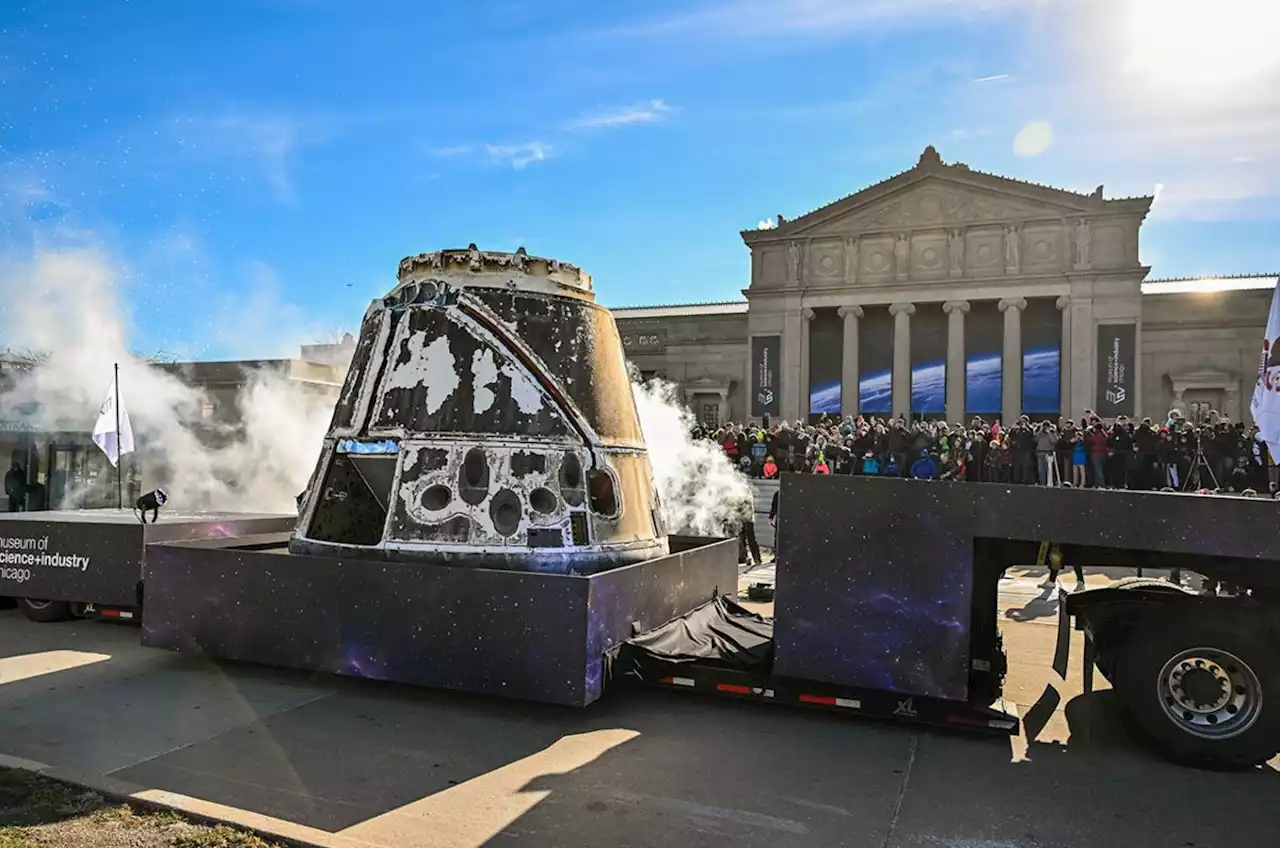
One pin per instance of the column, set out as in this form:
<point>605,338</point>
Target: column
<point>1011,374</point>
<point>723,408</point>
<point>1230,404</point>
<point>806,395</point>
<point>849,361</point>
<point>1066,407</point>
<point>955,310</point>
<point>902,313</point>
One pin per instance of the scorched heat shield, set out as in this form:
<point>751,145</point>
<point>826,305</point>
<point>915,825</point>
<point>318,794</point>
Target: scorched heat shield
<point>487,418</point>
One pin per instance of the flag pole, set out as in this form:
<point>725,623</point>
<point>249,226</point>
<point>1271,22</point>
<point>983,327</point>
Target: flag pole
<point>119,455</point>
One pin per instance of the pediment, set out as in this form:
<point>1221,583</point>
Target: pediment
<point>933,202</point>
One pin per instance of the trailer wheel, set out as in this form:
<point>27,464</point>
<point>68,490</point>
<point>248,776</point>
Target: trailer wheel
<point>45,611</point>
<point>1198,691</point>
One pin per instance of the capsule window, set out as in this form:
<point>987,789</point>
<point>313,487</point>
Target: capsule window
<point>542,500</point>
<point>504,509</point>
<point>473,477</point>
<point>571,479</point>
<point>436,498</point>
<point>604,496</point>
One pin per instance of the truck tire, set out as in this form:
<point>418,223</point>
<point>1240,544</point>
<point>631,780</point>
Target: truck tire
<point>45,611</point>
<point>1203,693</point>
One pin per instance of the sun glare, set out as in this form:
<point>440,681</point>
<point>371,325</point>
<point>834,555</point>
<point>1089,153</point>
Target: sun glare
<point>1201,43</point>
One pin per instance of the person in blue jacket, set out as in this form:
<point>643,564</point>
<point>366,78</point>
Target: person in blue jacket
<point>924,468</point>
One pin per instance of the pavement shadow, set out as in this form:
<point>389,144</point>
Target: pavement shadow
<point>820,780</point>
<point>1043,605</point>
<point>363,751</point>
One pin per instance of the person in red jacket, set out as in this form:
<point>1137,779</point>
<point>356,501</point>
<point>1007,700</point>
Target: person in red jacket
<point>1096,443</point>
<point>770,468</point>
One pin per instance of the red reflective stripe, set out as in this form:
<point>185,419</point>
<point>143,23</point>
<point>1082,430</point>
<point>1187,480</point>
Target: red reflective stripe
<point>734,688</point>
<point>818,699</point>
<point>110,613</point>
<point>965,720</point>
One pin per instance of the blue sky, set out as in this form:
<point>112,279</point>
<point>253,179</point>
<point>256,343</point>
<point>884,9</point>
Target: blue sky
<point>276,158</point>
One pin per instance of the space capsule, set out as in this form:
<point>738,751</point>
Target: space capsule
<point>487,419</point>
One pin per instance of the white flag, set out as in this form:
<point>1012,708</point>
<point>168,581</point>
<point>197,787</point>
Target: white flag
<point>1266,392</point>
<point>113,444</point>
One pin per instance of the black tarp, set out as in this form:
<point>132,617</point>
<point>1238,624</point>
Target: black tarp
<point>719,631</point>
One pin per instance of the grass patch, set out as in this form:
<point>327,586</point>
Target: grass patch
<point>36,812</point>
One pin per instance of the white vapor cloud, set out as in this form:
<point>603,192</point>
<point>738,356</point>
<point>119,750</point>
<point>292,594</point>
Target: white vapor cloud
<point>648,112</point>
<point>993,78</point>
<point>68,305</point>
<point>700,491</point>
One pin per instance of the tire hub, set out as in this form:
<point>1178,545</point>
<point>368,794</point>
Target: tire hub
<point>1210,693</point>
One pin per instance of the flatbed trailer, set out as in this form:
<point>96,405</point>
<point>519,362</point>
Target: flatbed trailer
<point>885,607</point>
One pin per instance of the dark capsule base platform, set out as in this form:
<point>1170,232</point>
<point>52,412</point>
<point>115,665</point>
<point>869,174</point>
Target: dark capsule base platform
<point>540,637</point>
<point>95,555</point>
<point>891,584</point>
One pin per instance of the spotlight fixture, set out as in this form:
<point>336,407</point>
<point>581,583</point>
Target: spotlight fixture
<point>150,502</point>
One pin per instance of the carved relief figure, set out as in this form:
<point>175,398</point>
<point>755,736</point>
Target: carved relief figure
<point>1012,247</point>
<point>793,262</point>
<point>1083,239</point>
<point>955,248</point>
<point>901,251</point>
<point>851,260</point>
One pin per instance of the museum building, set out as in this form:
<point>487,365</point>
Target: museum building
<point>949,292</point>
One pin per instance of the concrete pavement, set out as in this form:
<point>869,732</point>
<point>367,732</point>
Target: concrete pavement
<point>346,763</point>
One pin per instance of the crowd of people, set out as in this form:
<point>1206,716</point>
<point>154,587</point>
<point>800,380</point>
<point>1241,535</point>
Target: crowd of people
<point>1214,454</point>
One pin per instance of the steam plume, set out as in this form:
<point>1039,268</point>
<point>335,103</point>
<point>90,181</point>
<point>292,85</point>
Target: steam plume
<point>67,305</point>
<point>702,493</point>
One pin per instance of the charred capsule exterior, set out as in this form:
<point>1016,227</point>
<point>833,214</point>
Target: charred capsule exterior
<point>487,419</point>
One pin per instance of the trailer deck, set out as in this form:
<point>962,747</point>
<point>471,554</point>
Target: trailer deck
<point>94,556</point>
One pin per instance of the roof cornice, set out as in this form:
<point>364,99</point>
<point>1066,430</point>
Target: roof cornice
<point>929,165</point>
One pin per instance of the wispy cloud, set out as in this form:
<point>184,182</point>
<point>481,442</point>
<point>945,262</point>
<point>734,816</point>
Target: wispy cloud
<point>518,155</point>
<point>647,112</point>
<point>266,142</point>
<point>450,152</point>
<point>751,18</point>
<point>992,78</point>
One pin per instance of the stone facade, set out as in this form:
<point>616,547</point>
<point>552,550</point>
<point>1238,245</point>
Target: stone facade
<point>945,238</point>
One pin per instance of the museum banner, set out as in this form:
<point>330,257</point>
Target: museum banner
<point>875,361</point>
<point>826,352</point>
<point>1116,351</point>
<point>765,400</point>
<point>983,350</point>
<point>929,360</point>
<point>1042,357</point>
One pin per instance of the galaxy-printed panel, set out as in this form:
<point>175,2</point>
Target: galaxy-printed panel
<point>890,575</point>
<point>532,636</point>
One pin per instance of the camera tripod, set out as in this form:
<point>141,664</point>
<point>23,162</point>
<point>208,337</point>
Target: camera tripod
<point>1199,466</point>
